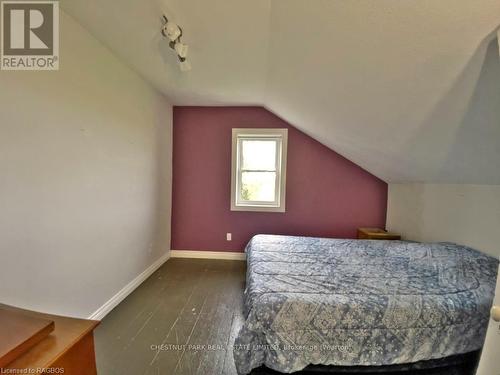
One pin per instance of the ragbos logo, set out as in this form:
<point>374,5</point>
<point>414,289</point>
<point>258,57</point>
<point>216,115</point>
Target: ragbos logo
<point>30,35</point>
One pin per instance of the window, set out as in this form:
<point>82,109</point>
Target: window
<point>258,170</point>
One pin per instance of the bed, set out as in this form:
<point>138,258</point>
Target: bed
<point>361,302</point>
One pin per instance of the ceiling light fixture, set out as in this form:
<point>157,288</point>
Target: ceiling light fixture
<point>181,49</point>
<point>173,33</point>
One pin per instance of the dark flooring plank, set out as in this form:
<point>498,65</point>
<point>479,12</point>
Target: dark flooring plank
<point>189,309</point>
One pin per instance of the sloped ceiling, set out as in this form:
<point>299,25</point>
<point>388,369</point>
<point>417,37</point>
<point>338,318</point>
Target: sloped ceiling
<point>409,90</point>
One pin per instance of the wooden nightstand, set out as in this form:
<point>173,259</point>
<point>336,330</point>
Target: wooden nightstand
<point>376,234</point>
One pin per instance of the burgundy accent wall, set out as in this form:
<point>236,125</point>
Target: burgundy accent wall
<point>326,194</point>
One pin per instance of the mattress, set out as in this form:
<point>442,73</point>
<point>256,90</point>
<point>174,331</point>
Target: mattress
<point>360,302</point>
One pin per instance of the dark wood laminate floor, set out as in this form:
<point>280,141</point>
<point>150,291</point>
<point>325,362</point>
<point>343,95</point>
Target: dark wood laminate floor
<point>190,309</point>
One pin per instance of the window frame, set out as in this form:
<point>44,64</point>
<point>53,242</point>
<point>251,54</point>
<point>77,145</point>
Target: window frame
<point>281,137</point>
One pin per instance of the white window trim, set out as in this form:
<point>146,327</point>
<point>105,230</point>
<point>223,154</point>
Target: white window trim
<point>279,204</point>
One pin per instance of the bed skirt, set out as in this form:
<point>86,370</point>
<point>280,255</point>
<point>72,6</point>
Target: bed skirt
<point>462,364</point>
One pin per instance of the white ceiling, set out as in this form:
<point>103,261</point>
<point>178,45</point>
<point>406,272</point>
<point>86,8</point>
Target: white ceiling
<point>409,90</point>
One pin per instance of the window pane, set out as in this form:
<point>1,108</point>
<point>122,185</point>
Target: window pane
<point>259,154</point>
<point>258,186</point>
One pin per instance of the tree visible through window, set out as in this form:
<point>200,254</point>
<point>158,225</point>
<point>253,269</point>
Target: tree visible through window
<point>258,175</point>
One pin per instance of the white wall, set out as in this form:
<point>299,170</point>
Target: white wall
<point>85,179</point>
<point>465,214</point>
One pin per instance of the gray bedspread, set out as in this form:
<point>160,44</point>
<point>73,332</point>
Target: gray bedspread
<point>361,302</point>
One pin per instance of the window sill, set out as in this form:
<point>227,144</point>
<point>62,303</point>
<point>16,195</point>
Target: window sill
<point>258,208</point>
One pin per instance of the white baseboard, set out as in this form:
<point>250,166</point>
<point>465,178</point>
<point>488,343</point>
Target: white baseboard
<point>102,311</point>
<point>225,255</point>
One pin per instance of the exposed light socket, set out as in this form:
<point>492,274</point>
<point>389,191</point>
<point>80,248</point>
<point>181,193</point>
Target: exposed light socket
<point>229,237</point>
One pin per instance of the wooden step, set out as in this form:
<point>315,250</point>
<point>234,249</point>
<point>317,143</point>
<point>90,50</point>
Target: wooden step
<point>69,349</point>
<point>19,333</point>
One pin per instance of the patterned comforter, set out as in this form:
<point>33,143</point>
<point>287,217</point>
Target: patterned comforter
<point>361,302</point>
